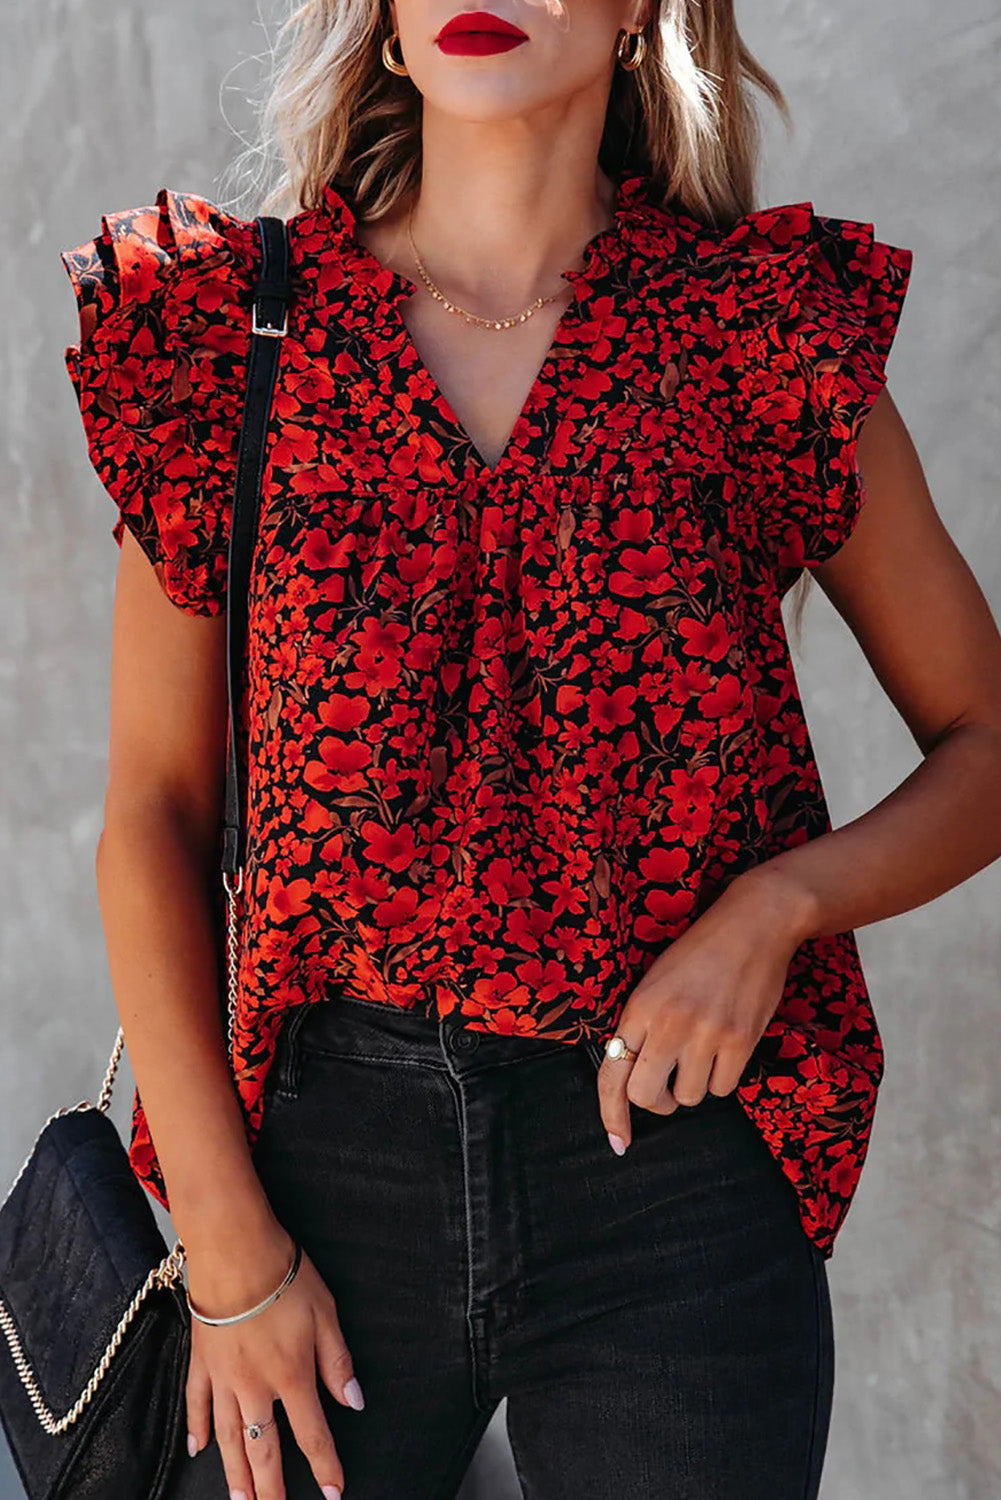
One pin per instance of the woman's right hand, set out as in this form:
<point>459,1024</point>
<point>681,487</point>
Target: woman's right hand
<point>236,1372</point>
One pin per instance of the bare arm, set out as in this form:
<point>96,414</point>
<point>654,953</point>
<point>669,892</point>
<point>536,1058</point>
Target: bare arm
<point>155,862</point>
<point>923,623</point>
<point>915,608</point>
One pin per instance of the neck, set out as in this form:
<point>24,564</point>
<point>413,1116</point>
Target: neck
<point>500,224</point>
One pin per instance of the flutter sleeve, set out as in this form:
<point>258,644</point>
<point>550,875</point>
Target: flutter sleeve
<point>817,301</point>
<point>164,298</point>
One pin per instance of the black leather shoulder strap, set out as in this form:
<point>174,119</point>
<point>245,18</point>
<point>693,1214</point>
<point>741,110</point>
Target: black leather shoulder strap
<point>270,321</point>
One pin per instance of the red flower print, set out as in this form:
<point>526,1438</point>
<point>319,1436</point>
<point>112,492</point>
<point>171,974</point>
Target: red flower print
<point>507,728</point>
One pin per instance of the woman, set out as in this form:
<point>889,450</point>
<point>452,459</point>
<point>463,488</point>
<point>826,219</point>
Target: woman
<point>559,420</point>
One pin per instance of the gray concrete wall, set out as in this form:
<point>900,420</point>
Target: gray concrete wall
<point>896,109</point>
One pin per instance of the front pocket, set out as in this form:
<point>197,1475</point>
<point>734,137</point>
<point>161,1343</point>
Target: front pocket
<point>595,1051</point>
<point>283,1075</point>
<point>353,1000</point>
<point>345,1027</point>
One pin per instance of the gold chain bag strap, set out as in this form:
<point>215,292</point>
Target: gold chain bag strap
<point>96,1330</point>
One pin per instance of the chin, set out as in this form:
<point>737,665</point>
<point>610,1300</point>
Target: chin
<point>482,99</point>
<point>485,90</point>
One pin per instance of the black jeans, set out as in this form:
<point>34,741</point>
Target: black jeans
<point>659,1322</point>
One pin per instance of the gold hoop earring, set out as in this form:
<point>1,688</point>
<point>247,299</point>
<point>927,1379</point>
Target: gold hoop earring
<point>630,64</point>
<point>389,61</point>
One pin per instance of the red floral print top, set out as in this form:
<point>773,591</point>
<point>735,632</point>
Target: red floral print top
<point>510,729</point>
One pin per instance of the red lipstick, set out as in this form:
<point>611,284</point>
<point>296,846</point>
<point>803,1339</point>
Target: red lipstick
<point>477,33</point>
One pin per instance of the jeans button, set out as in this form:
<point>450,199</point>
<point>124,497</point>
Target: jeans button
<point>463,1041</point>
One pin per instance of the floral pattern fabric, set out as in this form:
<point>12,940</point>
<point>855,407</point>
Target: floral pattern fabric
<point>511,728</point>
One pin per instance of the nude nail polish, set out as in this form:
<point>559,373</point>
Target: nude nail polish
<point>617,1143</point>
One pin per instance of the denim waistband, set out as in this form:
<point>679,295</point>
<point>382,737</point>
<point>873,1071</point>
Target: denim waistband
<point>346,1026</point>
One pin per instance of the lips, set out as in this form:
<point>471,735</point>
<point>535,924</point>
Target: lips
<point>479,32</point>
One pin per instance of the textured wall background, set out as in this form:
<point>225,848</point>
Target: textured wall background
<point>897,121</point>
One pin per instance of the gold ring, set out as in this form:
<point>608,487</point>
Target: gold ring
<point>616,1047</point>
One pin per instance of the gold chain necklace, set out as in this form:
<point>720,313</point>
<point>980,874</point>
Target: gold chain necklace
<point>439,295</point>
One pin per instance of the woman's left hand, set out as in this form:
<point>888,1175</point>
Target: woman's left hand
<point>704,1002</point>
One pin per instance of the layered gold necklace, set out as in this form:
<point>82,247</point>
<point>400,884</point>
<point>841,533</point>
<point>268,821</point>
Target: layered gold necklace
<point>461,312</point>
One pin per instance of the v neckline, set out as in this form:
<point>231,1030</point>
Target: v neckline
<point>417,366</point>
<point>390,288</point>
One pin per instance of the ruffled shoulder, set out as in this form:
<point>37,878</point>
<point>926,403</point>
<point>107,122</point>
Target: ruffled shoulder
<point>164,297</point>
<point>827,275</point>
<point>814,303</point>
<point>787,262</point>
<point>785,268</point>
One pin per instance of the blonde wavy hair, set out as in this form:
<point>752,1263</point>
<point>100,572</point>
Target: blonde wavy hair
<point>333,113</point>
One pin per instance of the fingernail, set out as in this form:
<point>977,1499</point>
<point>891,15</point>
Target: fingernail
<point>330,1492</point>
<point>192,1445</point>
<point>617,1143</point>
<point>353,1395</point>
<point>238,1495</point>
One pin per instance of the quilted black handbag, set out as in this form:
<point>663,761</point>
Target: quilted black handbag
<point>93,1362</point>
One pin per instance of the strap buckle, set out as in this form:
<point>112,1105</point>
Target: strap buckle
<point>267,330</point>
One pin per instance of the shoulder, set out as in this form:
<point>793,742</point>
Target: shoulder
<point>165,297</point>
<point>176,260</point>
<point>778,261</point>
<point>782,262</point>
